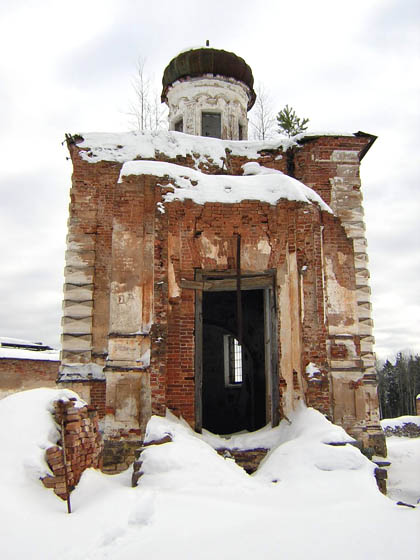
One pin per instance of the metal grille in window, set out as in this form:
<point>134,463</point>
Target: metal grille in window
<point>233,360</point>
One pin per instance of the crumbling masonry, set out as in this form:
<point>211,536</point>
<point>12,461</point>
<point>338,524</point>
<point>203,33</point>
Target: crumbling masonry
<point>180,246</point>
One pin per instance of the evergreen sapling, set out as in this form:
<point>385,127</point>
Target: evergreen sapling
<point>289,123</point>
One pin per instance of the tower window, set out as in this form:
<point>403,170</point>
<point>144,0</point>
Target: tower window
<point>233,360</point>
<point>241,132</point>
<point>179,125</point>
<point>211,125</point>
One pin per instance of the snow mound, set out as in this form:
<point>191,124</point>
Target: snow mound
<point>299,449</point>
<point>304,448</point>
<point>306,421</point>
<point>260,183</point>
<point>192,503</point>
<point>400,421</point>
<point>403,474</point>
<point>27,429</point>
<point>186,462</point>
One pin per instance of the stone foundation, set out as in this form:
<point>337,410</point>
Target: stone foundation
<point>119,455</point>
<point>248,459</point>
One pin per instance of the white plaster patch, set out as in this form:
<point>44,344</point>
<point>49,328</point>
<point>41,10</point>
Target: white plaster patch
<point>127,409</point>
<point>75,372</point>
<point>345,156</point>
<point>264,246</point>
<point>210,248</point>
<point>342,305</point>
<point>126,308</point>
<point>174,289</point>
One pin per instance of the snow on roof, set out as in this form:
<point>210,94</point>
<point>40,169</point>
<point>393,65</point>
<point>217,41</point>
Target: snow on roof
<point>259,183</point>
<point>23,354</point>
<point>317,133</point>
<point>20,349</point>
<point>18,341</point>
<point>127,146</point>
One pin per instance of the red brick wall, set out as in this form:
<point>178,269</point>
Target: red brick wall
<point>313,165</point>
<point>19,375</point>
<point>97,396</point>
<point>289,226</point>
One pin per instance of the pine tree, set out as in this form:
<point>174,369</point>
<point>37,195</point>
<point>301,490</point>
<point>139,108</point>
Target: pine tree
<point>398,385</point>
<point>289,123</point>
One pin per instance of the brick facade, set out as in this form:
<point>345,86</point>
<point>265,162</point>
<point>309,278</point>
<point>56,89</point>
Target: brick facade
<point>129,308</point>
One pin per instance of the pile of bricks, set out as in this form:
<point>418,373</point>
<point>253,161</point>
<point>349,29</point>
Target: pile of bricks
<point>83,446</point>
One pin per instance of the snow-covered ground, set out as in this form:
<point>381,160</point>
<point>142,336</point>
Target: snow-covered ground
<point>307,500</point>
<point>404,473</point>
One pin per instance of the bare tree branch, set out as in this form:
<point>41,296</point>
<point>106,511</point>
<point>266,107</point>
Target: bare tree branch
<point>262,119</point>
<point>146,112</point>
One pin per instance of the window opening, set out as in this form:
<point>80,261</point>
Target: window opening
<point>233,360</point>
<point>241,132</point>
<point>211,125</point>
<point>179,125</point>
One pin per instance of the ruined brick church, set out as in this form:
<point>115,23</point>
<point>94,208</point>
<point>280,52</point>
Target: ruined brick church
<point>222,279</point>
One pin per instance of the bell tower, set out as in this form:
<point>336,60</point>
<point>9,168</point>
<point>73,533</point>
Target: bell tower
<point>209,92</point>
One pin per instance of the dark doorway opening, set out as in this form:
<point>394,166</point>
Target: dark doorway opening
<point>234,382</point>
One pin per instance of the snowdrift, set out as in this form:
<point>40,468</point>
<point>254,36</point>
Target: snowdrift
<point>308,498</point>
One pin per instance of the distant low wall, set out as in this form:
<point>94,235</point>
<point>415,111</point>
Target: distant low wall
<point>404,426</point>
<point>21,374</point>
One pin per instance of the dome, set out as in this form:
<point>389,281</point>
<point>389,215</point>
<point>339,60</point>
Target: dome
<point>202,61</point>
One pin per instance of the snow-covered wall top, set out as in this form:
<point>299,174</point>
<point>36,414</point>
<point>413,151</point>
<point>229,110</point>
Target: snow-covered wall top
<point>127,146</point>
<point>316,133</point>
<point>400,421</point>
<point>258,183</point>
<point>19,342</point>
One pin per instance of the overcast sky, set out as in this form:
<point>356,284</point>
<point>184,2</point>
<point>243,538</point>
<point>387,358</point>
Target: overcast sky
<point>68,67</point>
